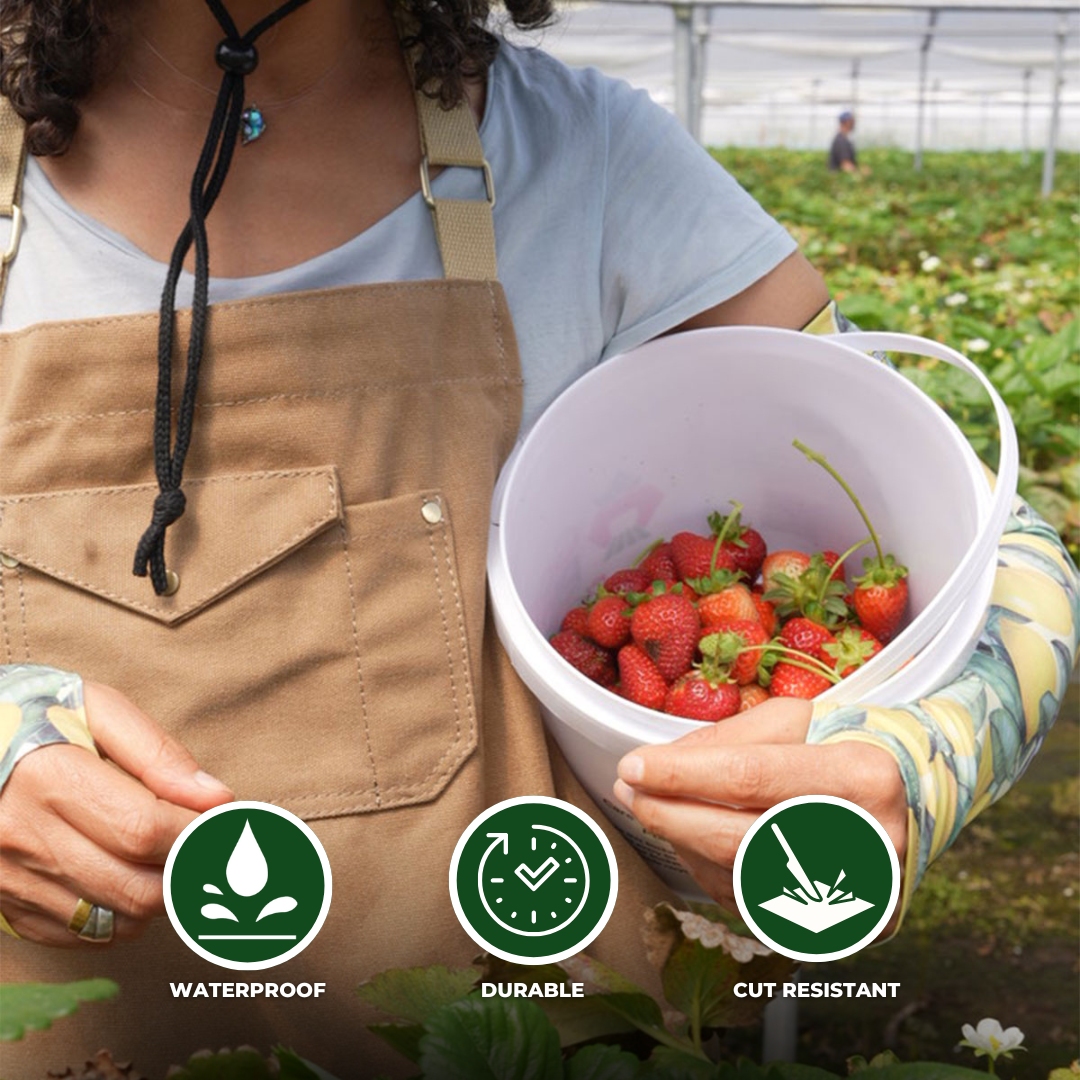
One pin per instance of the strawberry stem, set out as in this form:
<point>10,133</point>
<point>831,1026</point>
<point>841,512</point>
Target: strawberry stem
<point>836,566</point>
<point>819,667</point>
<point>647,552</point>
<point>733,516</point>
<point>819,459</point>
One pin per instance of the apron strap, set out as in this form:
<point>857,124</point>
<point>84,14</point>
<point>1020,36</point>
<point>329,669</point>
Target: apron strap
<point>464,228</point>
<point>12,166</point>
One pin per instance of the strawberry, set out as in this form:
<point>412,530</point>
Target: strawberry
<point>658,565</point>
<point>634,579</point>
<point>752,695</point>
<point>734,601</point>
<point>666,628</point>
<point>766,613</point>
<point>697,697</point>
<point>608,625</point>
<point>577,619</point>
<point>806,636</point>
<point>727,642</point>
<point>791,563</point>
<point>851,649</point>
<point>693,556</point>
<point>589,658</point>
<point>640,680</point>
<point>745,545</point>
<point>881,592</point>
<point>880,597</point>
<point>799,682</point>
<point>831,558</point>
<point>815,593</point>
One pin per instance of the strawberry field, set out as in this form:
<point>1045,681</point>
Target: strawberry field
<point>966,252</point>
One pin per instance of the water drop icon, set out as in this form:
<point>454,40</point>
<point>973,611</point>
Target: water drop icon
<point>276,907</point>
<point>217,911</point>
<point>246,871</point>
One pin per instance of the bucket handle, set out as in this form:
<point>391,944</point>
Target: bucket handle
<point>912,640</point>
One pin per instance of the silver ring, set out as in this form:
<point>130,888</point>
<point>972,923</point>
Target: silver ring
<point>100,925</point>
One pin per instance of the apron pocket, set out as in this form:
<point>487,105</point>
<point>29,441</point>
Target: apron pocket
<point>314,656</point>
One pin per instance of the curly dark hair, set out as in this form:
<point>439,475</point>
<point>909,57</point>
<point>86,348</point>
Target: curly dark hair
<point>50,52</point>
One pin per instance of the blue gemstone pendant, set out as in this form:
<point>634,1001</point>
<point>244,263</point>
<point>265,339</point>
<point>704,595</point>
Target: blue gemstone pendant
<point>254,124</point>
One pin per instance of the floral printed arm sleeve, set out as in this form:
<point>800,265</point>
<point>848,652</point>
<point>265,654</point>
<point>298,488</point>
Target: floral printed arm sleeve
<point>963,747</point>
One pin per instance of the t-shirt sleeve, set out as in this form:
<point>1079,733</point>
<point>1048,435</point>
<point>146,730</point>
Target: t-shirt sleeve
<point>679,234</point>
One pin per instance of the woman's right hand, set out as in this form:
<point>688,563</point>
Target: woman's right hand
<point>73,826</point>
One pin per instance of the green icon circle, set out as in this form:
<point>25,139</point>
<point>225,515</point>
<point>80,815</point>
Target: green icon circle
<point>247,885</point>
<point>533,880</point>
<point>816,878</point>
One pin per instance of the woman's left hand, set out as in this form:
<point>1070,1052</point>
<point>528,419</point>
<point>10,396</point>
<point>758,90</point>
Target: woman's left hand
<point>704,791</point>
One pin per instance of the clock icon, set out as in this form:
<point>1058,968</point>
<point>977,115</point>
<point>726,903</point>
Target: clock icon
<point>533,879</point>
<point>533,883</point>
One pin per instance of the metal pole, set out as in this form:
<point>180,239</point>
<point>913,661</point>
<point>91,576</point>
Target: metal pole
<point>924,57</point>
<point>854,85</point>
<point>935,103</point>
<point>700,18</point>
<point>684,73</point>
<point>1025,119</point>
<point>780,1029</point>
<point>1055,111</point>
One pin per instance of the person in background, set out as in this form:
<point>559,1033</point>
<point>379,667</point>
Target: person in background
<point>842,152</point>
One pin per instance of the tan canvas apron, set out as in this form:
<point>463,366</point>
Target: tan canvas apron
<point>327,649</point>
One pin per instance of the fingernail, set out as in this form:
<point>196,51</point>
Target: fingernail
<point>211,783</point>
<point>624,793</point>
<point>632,769</point>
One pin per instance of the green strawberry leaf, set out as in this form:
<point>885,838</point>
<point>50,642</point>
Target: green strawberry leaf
<point>294,1067</point>
<point>603,1063</point>
<point>667,1063</point>
<point>494,1039</point>
<point>404,1038</point>
<point>413,994</point>
<point>34,1006</point>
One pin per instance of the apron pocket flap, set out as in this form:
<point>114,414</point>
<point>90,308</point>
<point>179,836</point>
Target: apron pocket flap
<point>234,527</point>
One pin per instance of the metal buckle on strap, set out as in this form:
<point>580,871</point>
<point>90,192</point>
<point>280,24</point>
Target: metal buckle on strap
<point>15,213</point>
<point>425,181</point>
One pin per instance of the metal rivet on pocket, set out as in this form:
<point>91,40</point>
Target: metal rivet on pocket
<point>8,561</point>
<point>432,511</point>
<point>172,582</point>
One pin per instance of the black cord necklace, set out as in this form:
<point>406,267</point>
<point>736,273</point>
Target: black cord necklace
<point>237,57</point>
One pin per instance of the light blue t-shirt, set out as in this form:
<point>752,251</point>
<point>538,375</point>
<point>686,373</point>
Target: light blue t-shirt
<point>612,226</point>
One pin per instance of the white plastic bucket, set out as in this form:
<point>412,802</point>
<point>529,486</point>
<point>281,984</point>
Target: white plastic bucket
<point>648,443</point>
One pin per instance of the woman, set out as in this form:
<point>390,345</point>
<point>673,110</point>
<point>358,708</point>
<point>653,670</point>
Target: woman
<point>306,620</point>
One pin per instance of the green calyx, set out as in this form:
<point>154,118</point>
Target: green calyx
<point>728,527</point>
<point>819,459</point>
<point>885,573</point>
<point>849,649</point>
<point>659,588</point>
<point>717,581</point>
<point>774,653</point>
<point>718,652</point>
<point>816,594</point>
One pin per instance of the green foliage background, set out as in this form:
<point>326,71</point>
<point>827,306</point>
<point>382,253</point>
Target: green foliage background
<point>966,252</point>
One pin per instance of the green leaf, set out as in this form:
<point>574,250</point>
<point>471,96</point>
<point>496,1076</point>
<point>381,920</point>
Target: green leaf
<point>496,1039</point>
<point>781,1070</point>
<point>603,1063</point>
<point>641,1011</point>
<point>404,1038</point>
<point>294,1067</point>
<point>579,1020</point>
<point>927,1070</point>
<point>244,1064</point>
<point>34,1006</point>
<point>414,994</point>
<point>669,1064</point>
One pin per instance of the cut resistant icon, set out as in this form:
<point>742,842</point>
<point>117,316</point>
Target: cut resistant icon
<point>247,885</point>
<point>783,871</point>
<point>813,905</point>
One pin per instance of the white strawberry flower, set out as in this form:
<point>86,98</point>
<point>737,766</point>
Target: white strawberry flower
<point>956,299</point>
<point>980,262</point>
<point>988,1040</point>
<point>930,263</point>
<point>976,345</point>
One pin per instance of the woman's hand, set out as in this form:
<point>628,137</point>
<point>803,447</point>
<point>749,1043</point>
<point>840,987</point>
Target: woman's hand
<point>749,763</point>
<point>75,827</point>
